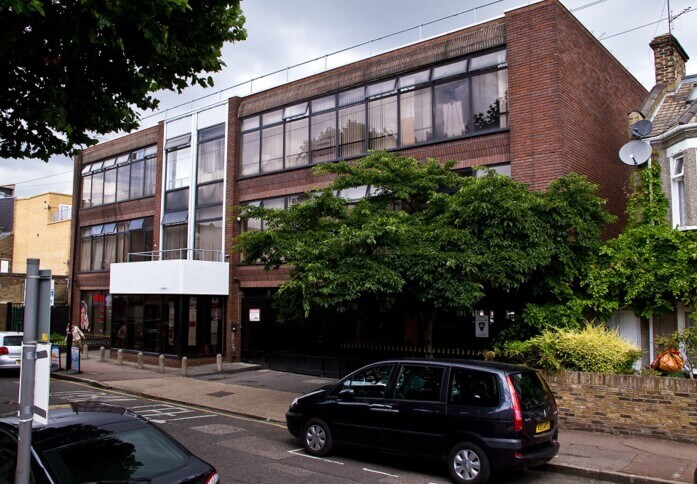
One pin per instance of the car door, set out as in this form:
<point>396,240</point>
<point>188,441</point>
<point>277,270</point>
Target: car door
<point>415,416</point>
<point>357,414</point>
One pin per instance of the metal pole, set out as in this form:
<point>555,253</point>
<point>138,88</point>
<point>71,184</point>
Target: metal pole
<point>26,394</point>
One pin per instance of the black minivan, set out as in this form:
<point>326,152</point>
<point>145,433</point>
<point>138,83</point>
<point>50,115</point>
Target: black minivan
<point>478,417</point>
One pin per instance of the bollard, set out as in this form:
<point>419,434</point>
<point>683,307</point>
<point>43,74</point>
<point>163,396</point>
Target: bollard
<point>185,363</point>
<point>219,362</point>
<point>86,352</point>
<point>140,360</point>
<point>162,363</point>
<point>102,351</point>
<point>119,357</point>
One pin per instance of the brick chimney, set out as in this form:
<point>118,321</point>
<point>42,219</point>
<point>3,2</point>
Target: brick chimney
<point>669,60</point>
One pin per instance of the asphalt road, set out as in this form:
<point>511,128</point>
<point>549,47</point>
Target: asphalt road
<point>253,451</point>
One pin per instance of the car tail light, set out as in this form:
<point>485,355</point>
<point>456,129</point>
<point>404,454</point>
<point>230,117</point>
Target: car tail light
<point>212,478</point>
<point>517,410</point>
<point>4,351</point>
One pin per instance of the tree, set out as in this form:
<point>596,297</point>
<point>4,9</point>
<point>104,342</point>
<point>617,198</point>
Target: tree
<point>75,69</point>
<point>427,239</point>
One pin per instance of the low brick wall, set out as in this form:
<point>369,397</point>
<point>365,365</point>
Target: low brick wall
<point>621,404</point>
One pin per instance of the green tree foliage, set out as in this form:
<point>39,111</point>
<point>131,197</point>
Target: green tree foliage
<point>428,240</point>
<point>73,69</point>
<point>650,265</point>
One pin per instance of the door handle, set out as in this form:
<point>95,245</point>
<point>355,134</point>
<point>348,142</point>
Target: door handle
<point>383,408</point>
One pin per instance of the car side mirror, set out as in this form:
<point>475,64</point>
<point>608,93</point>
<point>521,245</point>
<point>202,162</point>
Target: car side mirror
<point>346,394</point>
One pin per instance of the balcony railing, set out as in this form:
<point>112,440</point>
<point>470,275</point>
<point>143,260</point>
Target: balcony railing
<point>178,254</point>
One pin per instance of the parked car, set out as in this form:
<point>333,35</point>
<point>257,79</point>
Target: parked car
<point>97,442</point>
<point>478,417</point>
<point>10,349</point>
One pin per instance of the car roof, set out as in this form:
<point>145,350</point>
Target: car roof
<point>11,333</point>
<point>473,364</point>
<point>78,420</point>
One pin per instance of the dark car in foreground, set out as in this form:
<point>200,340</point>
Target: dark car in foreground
<point>97,442</point>
<point>478,417</point>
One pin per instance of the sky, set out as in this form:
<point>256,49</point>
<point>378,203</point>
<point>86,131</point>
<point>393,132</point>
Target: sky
<point>283,35</point>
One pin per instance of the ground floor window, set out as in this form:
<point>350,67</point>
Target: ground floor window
<point>175,325</point>
<point>95,309</point>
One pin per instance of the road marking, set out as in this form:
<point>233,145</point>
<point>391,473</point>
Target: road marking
<point>181,418</point>
<point>203,410</point>
<point>297,452</point>
<point>379,472</point>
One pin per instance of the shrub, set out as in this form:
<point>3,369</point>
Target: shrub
<point>594,348</point>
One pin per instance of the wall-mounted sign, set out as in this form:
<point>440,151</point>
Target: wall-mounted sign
<point>481,326</point>
<point>255,315</point>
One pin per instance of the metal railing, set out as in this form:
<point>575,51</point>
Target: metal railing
<point>179,254</point>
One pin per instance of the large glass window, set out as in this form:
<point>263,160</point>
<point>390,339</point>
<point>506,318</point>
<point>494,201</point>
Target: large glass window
<point>464,97</point>
<point>211,150</point>
<point>452,109</point>
<point>272,148</point>
<point>297,143</point>
<point>323,137</point>
<point>382,123</point>
<point>415,117</point>
<point>126,177</point>
<point>352,131</point>
<point>101,245</point>
<point>178,168</point>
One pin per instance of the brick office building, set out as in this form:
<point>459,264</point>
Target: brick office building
<point>532,94</point>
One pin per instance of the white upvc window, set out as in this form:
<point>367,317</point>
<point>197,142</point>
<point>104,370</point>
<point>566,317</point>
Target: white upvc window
<point>677,189</point>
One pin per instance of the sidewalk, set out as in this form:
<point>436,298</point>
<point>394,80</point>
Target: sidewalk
<point>615,458</point>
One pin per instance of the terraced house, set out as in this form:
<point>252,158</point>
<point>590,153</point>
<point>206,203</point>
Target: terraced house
<point>531,94</point>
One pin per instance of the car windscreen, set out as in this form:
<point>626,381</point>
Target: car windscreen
<point>139,453</point>
<point>531,389</point>
<point>12,341</point>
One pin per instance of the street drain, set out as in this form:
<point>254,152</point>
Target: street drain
<point>220,394</point>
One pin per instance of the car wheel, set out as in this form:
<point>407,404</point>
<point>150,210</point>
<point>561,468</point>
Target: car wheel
<point>317,438</point>
<point>467,462</point>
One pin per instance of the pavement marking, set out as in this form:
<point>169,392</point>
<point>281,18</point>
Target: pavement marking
<point>218,429</point>
<point>297,452</point>
<point>204,410</point>
<point>87,395</point>
<point>379,472</point>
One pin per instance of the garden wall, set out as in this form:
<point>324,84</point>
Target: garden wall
<point>621,404</point>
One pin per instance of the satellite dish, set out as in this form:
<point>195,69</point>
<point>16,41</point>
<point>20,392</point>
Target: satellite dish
<point>641,128</point>
<point>635,153</point>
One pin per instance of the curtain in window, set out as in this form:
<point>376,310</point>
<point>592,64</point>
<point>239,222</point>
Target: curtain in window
<point>272,149</point>
<point>209,238</point>
<point>415,117</point>
<point>382,123</point>
<point>175,238</point>
<point>97,253</point>
<point>87,191</point>
<point>86,250</point>
<point>452,109</point>
<point>149,186</point>
<point>323,137</point>
<point>109,251</point>
<point>352,131</point>
<point>250,153</point>
<point>211,161</point>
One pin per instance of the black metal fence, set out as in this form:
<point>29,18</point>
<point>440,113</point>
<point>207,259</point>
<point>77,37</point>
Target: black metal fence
<point>352,356</point>
<point>13,317</point>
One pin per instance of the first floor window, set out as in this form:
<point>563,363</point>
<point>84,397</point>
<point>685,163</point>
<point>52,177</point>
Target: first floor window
<point>175,241</point>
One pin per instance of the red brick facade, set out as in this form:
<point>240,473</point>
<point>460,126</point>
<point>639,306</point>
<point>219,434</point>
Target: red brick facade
<point>568,100</point>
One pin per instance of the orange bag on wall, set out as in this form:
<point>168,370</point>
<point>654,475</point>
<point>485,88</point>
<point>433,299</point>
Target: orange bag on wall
<point>668,361</point>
